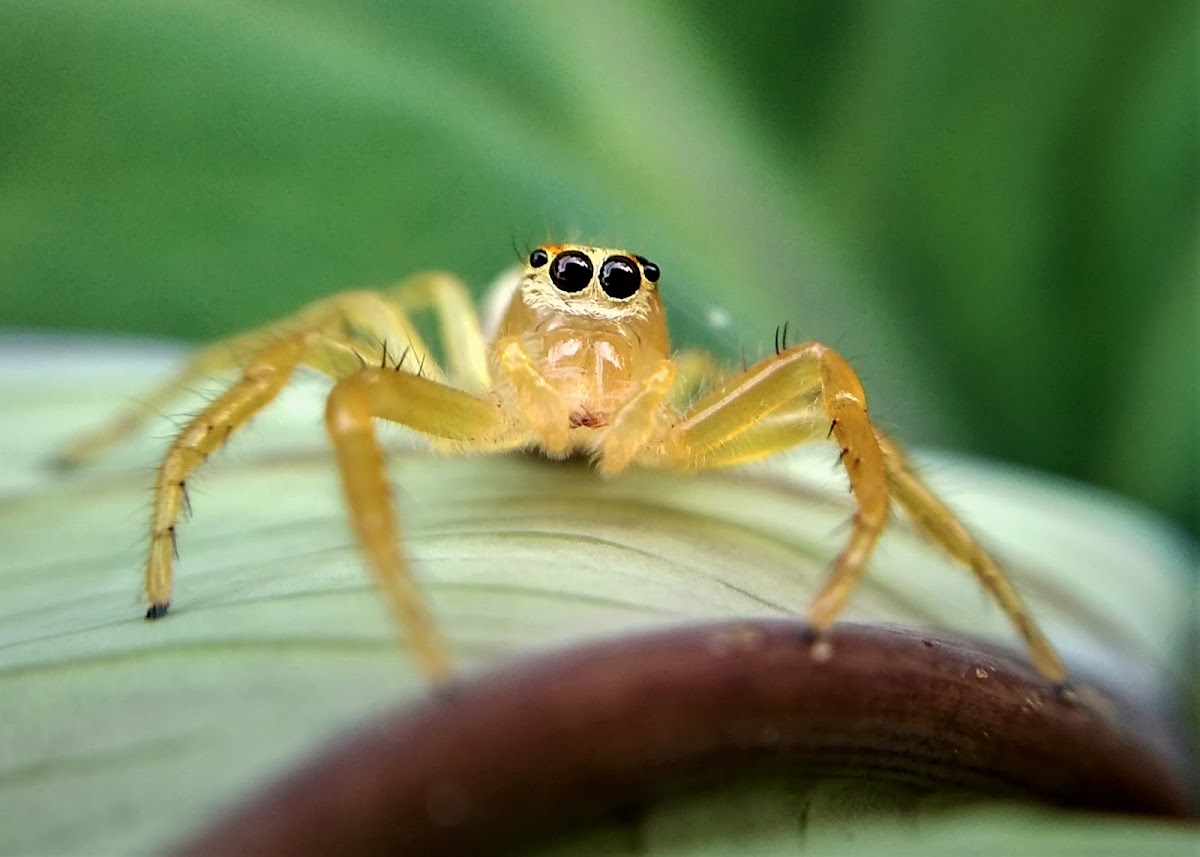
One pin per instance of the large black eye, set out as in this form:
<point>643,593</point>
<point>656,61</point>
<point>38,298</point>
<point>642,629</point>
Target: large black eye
<point>571,271</point>
<point>538,258</point>
<point>620,277</point>
<point>648,268</point>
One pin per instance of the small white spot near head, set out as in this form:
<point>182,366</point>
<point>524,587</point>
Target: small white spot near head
<point>718,318</point>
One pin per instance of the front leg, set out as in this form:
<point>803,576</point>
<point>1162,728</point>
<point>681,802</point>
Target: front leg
<point>808,392</point>
<point>770,406</point>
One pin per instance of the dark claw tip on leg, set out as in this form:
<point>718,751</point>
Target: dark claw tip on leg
<point>807,634</point>
<point>157,611</point>
<point>820,649</point>
<point>1065,691</point>
<point>61,464</point>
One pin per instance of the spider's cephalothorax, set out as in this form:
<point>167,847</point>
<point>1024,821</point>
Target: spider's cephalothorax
<point>578,361</point>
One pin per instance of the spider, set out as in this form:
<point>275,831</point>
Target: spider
<point>579,363</point>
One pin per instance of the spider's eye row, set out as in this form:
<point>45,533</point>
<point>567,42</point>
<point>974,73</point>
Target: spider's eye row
<point>538,258</point>
<point>649,269</point>
<point>620,277</point>
<point>571,271</point>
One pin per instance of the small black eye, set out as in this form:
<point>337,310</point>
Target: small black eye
<point>538,258</point>
<point>620,277</point>
<point>571,271</point>
<point>648,268</point>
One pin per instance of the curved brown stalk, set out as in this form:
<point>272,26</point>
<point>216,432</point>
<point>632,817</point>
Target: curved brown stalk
<point>506,759</point>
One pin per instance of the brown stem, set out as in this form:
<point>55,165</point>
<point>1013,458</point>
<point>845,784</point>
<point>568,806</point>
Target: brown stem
<point>511,757</point>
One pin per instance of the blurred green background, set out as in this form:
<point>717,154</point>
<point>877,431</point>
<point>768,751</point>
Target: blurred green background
<point>990,207</point>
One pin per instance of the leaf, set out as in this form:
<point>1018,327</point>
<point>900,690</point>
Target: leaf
<point>841,820</point>
<point>119,735</point>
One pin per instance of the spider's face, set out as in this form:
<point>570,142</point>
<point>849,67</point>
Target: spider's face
<point>594,282</point>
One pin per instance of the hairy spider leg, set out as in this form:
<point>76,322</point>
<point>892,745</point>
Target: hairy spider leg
<point>722,428</point>
<point>264,376</point>
<point>808,392</point>
<point>459,330</point>
<point>335,336</point>
<point>346,325</point>
<point>931,517</point>
<point>372,319</point>
<point>468,421</point>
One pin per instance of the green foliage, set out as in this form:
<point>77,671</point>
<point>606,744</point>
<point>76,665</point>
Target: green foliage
<point>990,207</point>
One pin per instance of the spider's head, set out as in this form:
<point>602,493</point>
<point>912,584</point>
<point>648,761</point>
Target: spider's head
<point>591,282</point>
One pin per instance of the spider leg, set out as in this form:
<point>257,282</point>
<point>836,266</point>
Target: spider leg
<point>458,323</point>
<point>941,527</point>
<point>367,317</point>
<point>206,432</point>
<point>807,392</point>
<point>261,381</point>
<point>463,419</point>
<point>723,427</point>
<point>364,392</point>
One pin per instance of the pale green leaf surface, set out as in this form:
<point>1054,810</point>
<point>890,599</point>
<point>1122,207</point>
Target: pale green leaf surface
<point>843,819</point>
<point>119,735</point>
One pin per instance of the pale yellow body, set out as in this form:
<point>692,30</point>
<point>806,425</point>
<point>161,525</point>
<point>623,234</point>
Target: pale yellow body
<point>579,363</point>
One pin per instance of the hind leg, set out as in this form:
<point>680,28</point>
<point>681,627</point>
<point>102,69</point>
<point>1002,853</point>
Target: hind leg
<point>367,319</point>
<point>941,527</point>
